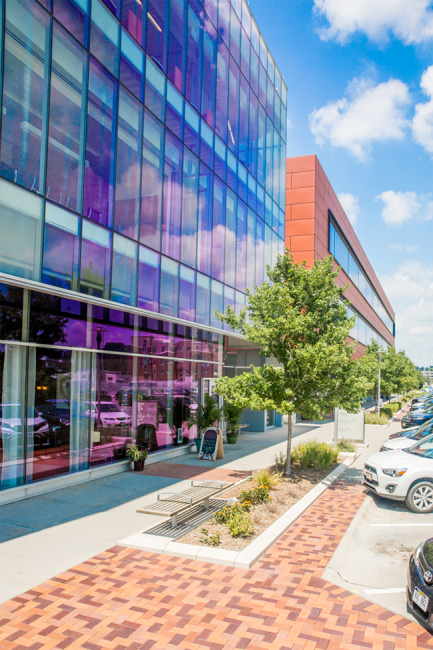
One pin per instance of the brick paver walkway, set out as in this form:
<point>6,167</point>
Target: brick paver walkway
<point>176,470</point>
<point>126,599</point>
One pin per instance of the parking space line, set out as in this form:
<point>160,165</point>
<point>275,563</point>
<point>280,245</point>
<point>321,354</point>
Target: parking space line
<point>391,590</point>
<point>382,525</point>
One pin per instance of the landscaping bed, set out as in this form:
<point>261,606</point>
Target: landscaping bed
<point>286,492</point>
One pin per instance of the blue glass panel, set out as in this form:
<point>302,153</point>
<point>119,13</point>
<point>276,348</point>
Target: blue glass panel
<point>268,248</point>
<point>230,243</point>
<point>192,129</point>
<point>152,178</point>
<point>113,6</point>
<point>25,94</point>
<point>239,302</point>
<point>157,32</point>
<point>211,7</point>
<point>222,97</point>
<point>67,123</point>
<point>187,293</point>
<point>263,80</point>
<point>276,167</point>
<point>242,183</point>
<point>237,6</point>
<point>134,19</point>
<point>124,274</point>
<point>244,104</point>
<point>253,134</point>
<point>260,201</point>
<point>229,299</point>
<point>263,53</point>
<point>210,41</point>
<point>277,113</point>
<point>172,198</point>
<point>218,230</point>
<point>129,139</point>
<point>254,72</point>
<point>194,54</point>
<point>281,225</point>
<point>268,210</point>
<point>203,299</point>
<point>95,260</point>
<point>232,171</point>
<point>234,90</point>
<point>255,37</point>
<point>241,247</point>
<point>177,46</point>
<point>235,37</point>
<point>251,249</point>
<point>252,192</point>
<point>270,94</point>
<point>148,279</point>
<point>155,90</point>
<point>61,248</point>
<point>217,303</point>
<point>224,10</point>
<point>206,144</point>
<point>132,66</point>
<point>101,139</point>
<point>74,15</point>
<point>175,109</point>
<point>245,54</point>
<point>105,37</point>
<point>189,208</point>
<point>246,18</point>
<point>269,155</point>
<point>169,294</point>
<point>220,159</point>
<point>260,251</point>
<point>205,217</point>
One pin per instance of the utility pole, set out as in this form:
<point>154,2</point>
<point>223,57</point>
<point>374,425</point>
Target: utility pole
<point>378,386</point>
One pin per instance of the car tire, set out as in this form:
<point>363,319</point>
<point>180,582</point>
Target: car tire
<point>420,497</point>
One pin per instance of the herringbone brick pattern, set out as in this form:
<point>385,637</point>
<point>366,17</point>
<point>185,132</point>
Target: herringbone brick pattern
<point>126,599</point>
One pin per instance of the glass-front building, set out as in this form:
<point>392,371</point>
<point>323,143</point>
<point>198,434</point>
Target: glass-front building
<point>142,187</point>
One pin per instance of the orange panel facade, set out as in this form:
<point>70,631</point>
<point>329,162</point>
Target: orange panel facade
<point>309,198</point>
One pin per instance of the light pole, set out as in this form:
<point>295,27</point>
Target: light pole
<point>378,386</point>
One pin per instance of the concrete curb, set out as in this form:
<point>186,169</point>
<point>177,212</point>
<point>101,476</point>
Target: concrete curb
<point>246,558</point>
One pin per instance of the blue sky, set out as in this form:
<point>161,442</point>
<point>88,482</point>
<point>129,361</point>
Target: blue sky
<point>360,96</point>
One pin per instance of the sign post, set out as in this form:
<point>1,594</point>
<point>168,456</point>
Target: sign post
<point>349,426</point>
<point>211,447</point>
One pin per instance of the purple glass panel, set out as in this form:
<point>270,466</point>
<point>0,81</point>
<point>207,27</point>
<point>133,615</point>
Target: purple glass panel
<point>105,37</point>
<point>251,249</point>
<point>113,330</point>
<point>254,107</point>
<point>175,111</point>
<point>176,45</point>
<point>211,8</point>
<point>222,96</point>
<point>65,169</point>
<point>263,77</point>
<point>57,321</point>
<point>220,159</point>
<point>132,66</point>
<point>268,210</point>
<point>230,238</point>
<point>218,231</point>
<point>242,183</point>
<point>194,53</point>
<point>209,78</point>
<point>244,101</point>
<point>148,279</point>
<point>224,20</point>
<point>134,20</point>
<point>277,112</point>
<point>254,71</point>
<point>241,247</point>
<point>246,19</point>
<point>95,260</point>
<point>203,299</point>
<point>152,176</point>
<point>206,144</point>
<point>76,19</point>
<point>205,216</point>
<point>234,88</point>
<point>192,130</point>
<point>216,303</point>
<point>11,310</point>
<point>113,6</point>
<point>252,193</point>
<point>187,293</point>
<point>232,171</point>
<point>172,199</point>
<point>157,32</point>
<point>235,37</point>
<point>261,168</point>
<point>269,155</point>
<point>229,299</point>
<point>101,120</point>
<point>260,251</point>
<point>189,208</point>
<point>25,94</point>
<point>237,6</point>
<point>169,293</point>
<point>61,248</point>
<point>47,4</point>
<point>245,54</point>
<point>129,138</point>
<point>124,271</point>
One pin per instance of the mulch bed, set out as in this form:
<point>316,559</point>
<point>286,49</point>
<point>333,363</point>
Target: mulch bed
<point>287,492</point>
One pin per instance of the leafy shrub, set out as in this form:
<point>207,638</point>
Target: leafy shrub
<point>314,454</point>
<point>256,495</point>
<point>210,540</point>
<point>231,509</point>
<point>386,410</point>
<point>280,462</point>
<point>372,418</point>
<point>346,445</point>
<point>266,478</point>
<point>240,524</point>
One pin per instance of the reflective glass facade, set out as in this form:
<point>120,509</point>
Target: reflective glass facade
<point>142,159</point>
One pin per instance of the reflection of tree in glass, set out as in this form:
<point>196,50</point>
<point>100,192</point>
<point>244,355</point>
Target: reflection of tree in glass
<point>91,278</point>
<point>11,316</point>
<point>45,325</point>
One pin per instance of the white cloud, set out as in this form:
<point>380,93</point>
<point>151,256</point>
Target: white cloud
<point>400,247</point>
<point>369,113</point>
<point>400,207</point>
<point>410,291</point>
<point>422,124</point>
<point>350,205</point>
<point>411,21</point>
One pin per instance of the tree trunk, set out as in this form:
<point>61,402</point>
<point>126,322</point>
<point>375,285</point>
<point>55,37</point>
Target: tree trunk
<point>289,444</point>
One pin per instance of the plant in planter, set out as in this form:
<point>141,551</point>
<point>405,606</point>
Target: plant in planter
<point>233,416</point>
<point>204,416</point>
<point>138,456</point>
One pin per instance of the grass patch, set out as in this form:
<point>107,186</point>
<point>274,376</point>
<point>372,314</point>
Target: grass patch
<point>314,454</point>
<point>373,418</point>
<point>267,479</point>
<point>346,445</point>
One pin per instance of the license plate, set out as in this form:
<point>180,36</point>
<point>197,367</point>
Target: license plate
<point>420,599</point>
<point>369,476</point>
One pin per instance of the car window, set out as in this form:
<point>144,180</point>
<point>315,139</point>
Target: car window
<point>423,448</point>
<point>425,430</point>
<point>109,408</point>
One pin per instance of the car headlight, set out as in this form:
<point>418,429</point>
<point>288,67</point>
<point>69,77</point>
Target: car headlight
<point>395,472</point>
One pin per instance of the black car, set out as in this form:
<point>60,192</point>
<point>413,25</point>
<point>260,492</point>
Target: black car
<point>419,589</point>
<point>416,418</point>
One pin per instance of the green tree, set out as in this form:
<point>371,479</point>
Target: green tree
<point>299,319</point>
<point>398,373</point>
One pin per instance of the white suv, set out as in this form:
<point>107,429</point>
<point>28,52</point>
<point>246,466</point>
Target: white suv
<point>403,475</point>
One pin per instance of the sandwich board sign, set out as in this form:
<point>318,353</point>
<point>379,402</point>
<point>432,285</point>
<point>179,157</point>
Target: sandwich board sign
<point>211,446</point>
<point>350,426</point>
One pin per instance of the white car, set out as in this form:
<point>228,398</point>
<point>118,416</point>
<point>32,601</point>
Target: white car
<point>110,414</point>
<point>10,420</point>
<point>404,442</point>
<point>403,475</point>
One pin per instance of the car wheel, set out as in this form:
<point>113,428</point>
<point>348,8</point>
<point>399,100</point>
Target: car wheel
<point>420,497</point>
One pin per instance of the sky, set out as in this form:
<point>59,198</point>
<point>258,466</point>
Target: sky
<point>359,75</point>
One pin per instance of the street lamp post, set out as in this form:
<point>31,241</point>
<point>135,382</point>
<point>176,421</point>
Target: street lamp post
<point>378,385</point>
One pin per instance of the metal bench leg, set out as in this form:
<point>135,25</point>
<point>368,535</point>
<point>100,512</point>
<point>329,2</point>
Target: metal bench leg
<point>174,521</point>
<point>206,504</point>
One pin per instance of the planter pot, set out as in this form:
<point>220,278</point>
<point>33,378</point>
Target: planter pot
<point>232,438</point>
<point>198,444</point>
<point>138,465</point>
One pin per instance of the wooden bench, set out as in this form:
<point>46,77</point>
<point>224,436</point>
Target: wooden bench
<point>177,502</point>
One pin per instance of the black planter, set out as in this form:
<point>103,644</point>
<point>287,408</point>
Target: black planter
<point>138,465</point>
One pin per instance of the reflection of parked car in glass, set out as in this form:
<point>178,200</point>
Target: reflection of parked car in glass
<point>57,412</point>
<point>11,425</point>
<point>110,414</point>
